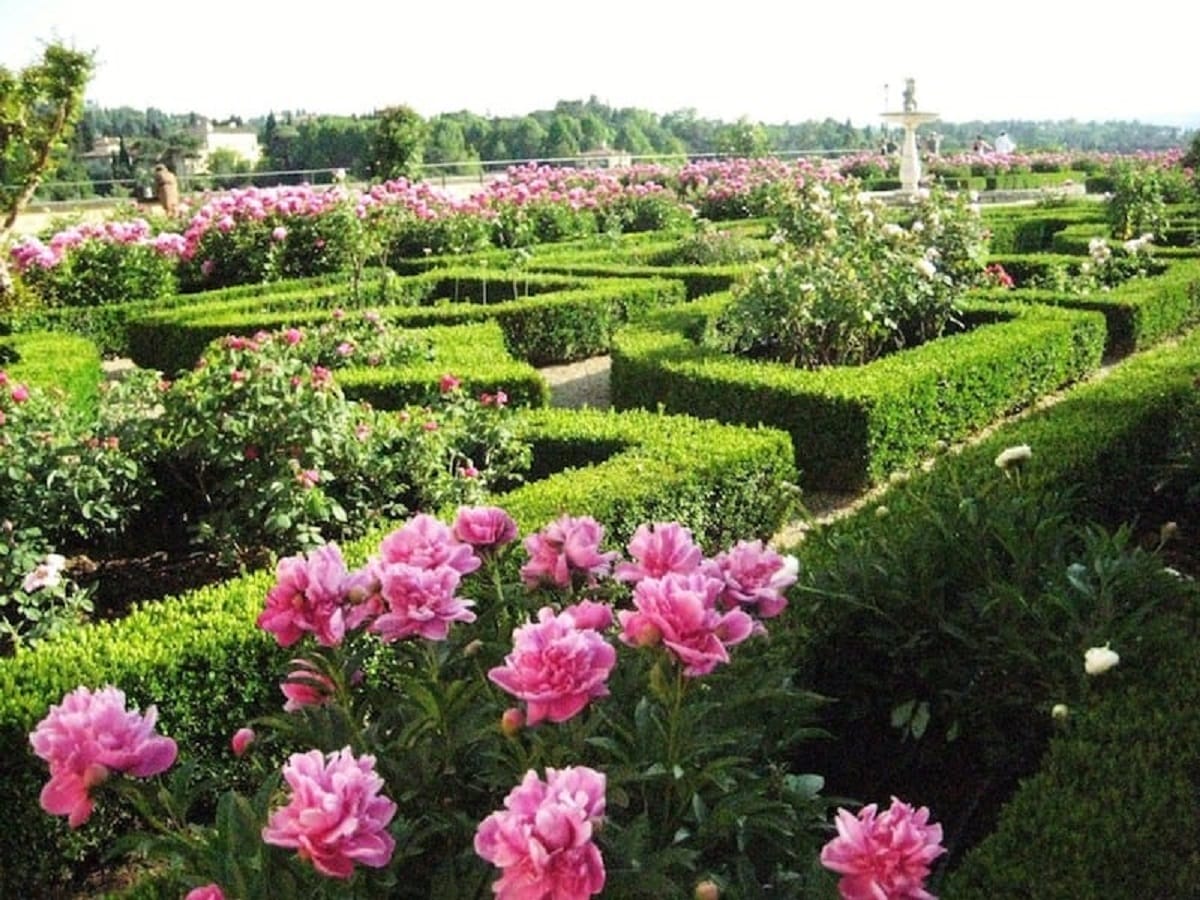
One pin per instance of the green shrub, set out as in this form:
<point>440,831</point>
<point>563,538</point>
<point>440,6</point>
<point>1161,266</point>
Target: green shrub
<point>99,272</point>
<point>853,425</point>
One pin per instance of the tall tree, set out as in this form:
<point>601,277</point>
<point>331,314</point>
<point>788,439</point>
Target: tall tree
<point>398,143</point>
<point>38,108</point>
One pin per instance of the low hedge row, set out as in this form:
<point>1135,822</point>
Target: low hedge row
<point>475,354</point>
<point>106,325</point>
<point>210,669</point>
<point>58,362</point>
<point>1138,314</point>
<point>851,426</point>
<point>573,320</point>
<point>1025,230</point>
<point>1064,836</point>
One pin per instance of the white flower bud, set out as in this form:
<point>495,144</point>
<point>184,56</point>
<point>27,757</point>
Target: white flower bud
<point>1098,660</point>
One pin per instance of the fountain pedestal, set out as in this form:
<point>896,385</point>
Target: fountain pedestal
<point>910,159</point>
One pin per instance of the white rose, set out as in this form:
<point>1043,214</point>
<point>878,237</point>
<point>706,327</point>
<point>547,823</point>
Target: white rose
<point>1098,660</point>
<point>1060,712</point>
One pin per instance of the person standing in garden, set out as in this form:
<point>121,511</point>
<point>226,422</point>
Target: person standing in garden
<point>1005,144</point>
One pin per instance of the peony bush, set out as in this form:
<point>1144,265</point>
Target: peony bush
<point>559,723</point>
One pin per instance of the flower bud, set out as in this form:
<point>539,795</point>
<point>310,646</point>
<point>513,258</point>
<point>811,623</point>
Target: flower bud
<point>241,741</point>
<point>1060,712</point>
<point>707,890</point>
<point>512,721</point>
<point>1168,531</point>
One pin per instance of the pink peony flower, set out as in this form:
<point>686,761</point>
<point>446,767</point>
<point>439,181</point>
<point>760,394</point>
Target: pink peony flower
<point>20,393</point>
<point>426,543</point>
<point>448,383</point>
<point>884,856</point>
<point>241,741</point>
<point>306,685</point>
<point>564,549</point>
<point>309,596</point>
<point>555,667</point>
<point>293,336</point>
<point>542,839</point>
<point>754,575</point>
<point>279,234</point>
<point>681,612</point>
<point>336,816</point>
<point>419,602</point>
<point>89,736</point>
<point>590,614</point>
<point>205,892</point>
<point>659,550</point>
<point>486,528</point>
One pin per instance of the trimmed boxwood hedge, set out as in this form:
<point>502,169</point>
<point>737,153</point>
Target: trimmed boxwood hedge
<point>573,320</point>
<point>61,362</point>
<point>1138,314</point>
<point>210,669</point>
<point>1025,230</point>
<point>853,425</point>
<point>475,354</point>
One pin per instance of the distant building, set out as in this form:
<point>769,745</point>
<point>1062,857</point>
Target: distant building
<point>217,136</point>
<point>605,158</point>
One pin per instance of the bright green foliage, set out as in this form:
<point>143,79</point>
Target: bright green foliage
<point>39,105</point>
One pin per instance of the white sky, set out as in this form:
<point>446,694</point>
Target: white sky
<point>769,61</point>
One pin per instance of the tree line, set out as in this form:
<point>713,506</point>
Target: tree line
<point>397,141</point>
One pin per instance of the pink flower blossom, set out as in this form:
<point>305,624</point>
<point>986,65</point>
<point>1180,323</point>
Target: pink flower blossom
<point>755,576</point>
<point>681,612</point>
<point>426,543</point>
<point>46,574</point>
<point>309,595</point>
<point>883,856</point>
<point>241,741</point>
<point>306,685</point>
<point>486,528</point>
<point>448,383</point>
<point>205,892</point>
<point>279,234</point>
<point>419,602</point>
<point>542,839</point>
<point>590,614</point>
<point>89,736</point>
<point>293,336</point>
<point>335,816</point>
<point>308,478</point>
<point>20,393</point>
<point>659,550</point>
<point>555,667</point>
<point>565,549</point>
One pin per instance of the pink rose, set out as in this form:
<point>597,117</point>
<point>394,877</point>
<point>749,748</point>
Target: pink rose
<point>87,737</point>
<point>681,612</point>
<point>555,667</point>
<point>887,855</point>
<point>564,550</point>
<point>448,383</point>
<point>335,816</point>
<point>205,892</point>
<point>542,839</point>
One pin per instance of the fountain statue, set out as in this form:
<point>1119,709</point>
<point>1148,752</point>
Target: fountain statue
<point>910,118</point>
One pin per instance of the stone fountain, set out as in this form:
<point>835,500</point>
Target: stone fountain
<point>910,118</point>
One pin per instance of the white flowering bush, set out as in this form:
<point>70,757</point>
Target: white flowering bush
<point>850,283</point>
